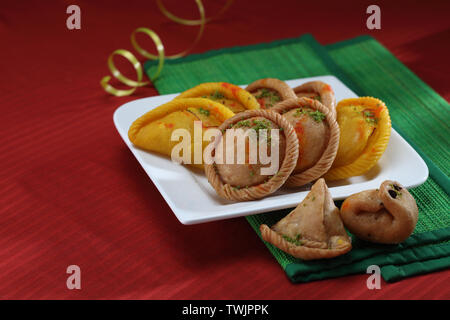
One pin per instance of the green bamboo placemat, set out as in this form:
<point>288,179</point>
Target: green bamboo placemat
<point>304,57</point>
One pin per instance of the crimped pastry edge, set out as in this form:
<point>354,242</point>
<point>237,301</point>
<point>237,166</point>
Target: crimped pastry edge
<point>275,182</point>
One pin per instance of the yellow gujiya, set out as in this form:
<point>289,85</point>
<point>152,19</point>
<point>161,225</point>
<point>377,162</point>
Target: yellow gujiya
<point>365,128</point>
<point>153,131</point>
<point>230,95</point>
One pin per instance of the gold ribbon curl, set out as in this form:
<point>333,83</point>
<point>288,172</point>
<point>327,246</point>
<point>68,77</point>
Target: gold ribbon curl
<point>159,48</point>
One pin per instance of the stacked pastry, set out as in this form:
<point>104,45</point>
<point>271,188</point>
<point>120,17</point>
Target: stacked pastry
<point>310,136</point>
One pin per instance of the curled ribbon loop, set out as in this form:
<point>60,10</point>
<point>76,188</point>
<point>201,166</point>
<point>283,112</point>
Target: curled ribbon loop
<point>159,48</point>
<point>136,65</point>
<point>186,22</point>
<point>190,22</point>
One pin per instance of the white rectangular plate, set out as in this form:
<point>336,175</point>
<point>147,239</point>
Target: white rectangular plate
<point>193,200</point>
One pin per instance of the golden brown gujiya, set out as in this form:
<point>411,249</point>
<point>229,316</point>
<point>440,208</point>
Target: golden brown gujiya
<point>365,128</point>
<point>313,230</point>
<point>318,138</point>
<point>318,90</point>
<point>153,130</point>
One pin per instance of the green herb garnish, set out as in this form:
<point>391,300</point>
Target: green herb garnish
<point>299,112</point>
<point>275,98</point>
<point>243,123</point>
<point>372,121</point>
<point>369,116</point>
<point>316,115</point>
<point>256,125</point>
<point>261,125</point>
<point>265,93</point>
<point>204,111</point>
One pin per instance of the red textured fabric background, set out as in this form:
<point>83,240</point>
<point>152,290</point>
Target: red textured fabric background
<point>72,193</point>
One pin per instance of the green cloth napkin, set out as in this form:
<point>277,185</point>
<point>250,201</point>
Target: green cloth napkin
<point>418,113</point>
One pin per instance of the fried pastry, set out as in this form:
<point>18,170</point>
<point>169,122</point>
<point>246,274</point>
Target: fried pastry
<point>230,95</point>
<point>153,130</point>
<point>388,215</point>
<point>365,130</point>
<point>318,90</point>
<point>318,137</point>
<point>270,91</point>
<point>313,230</point>
<point>246,180</point>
